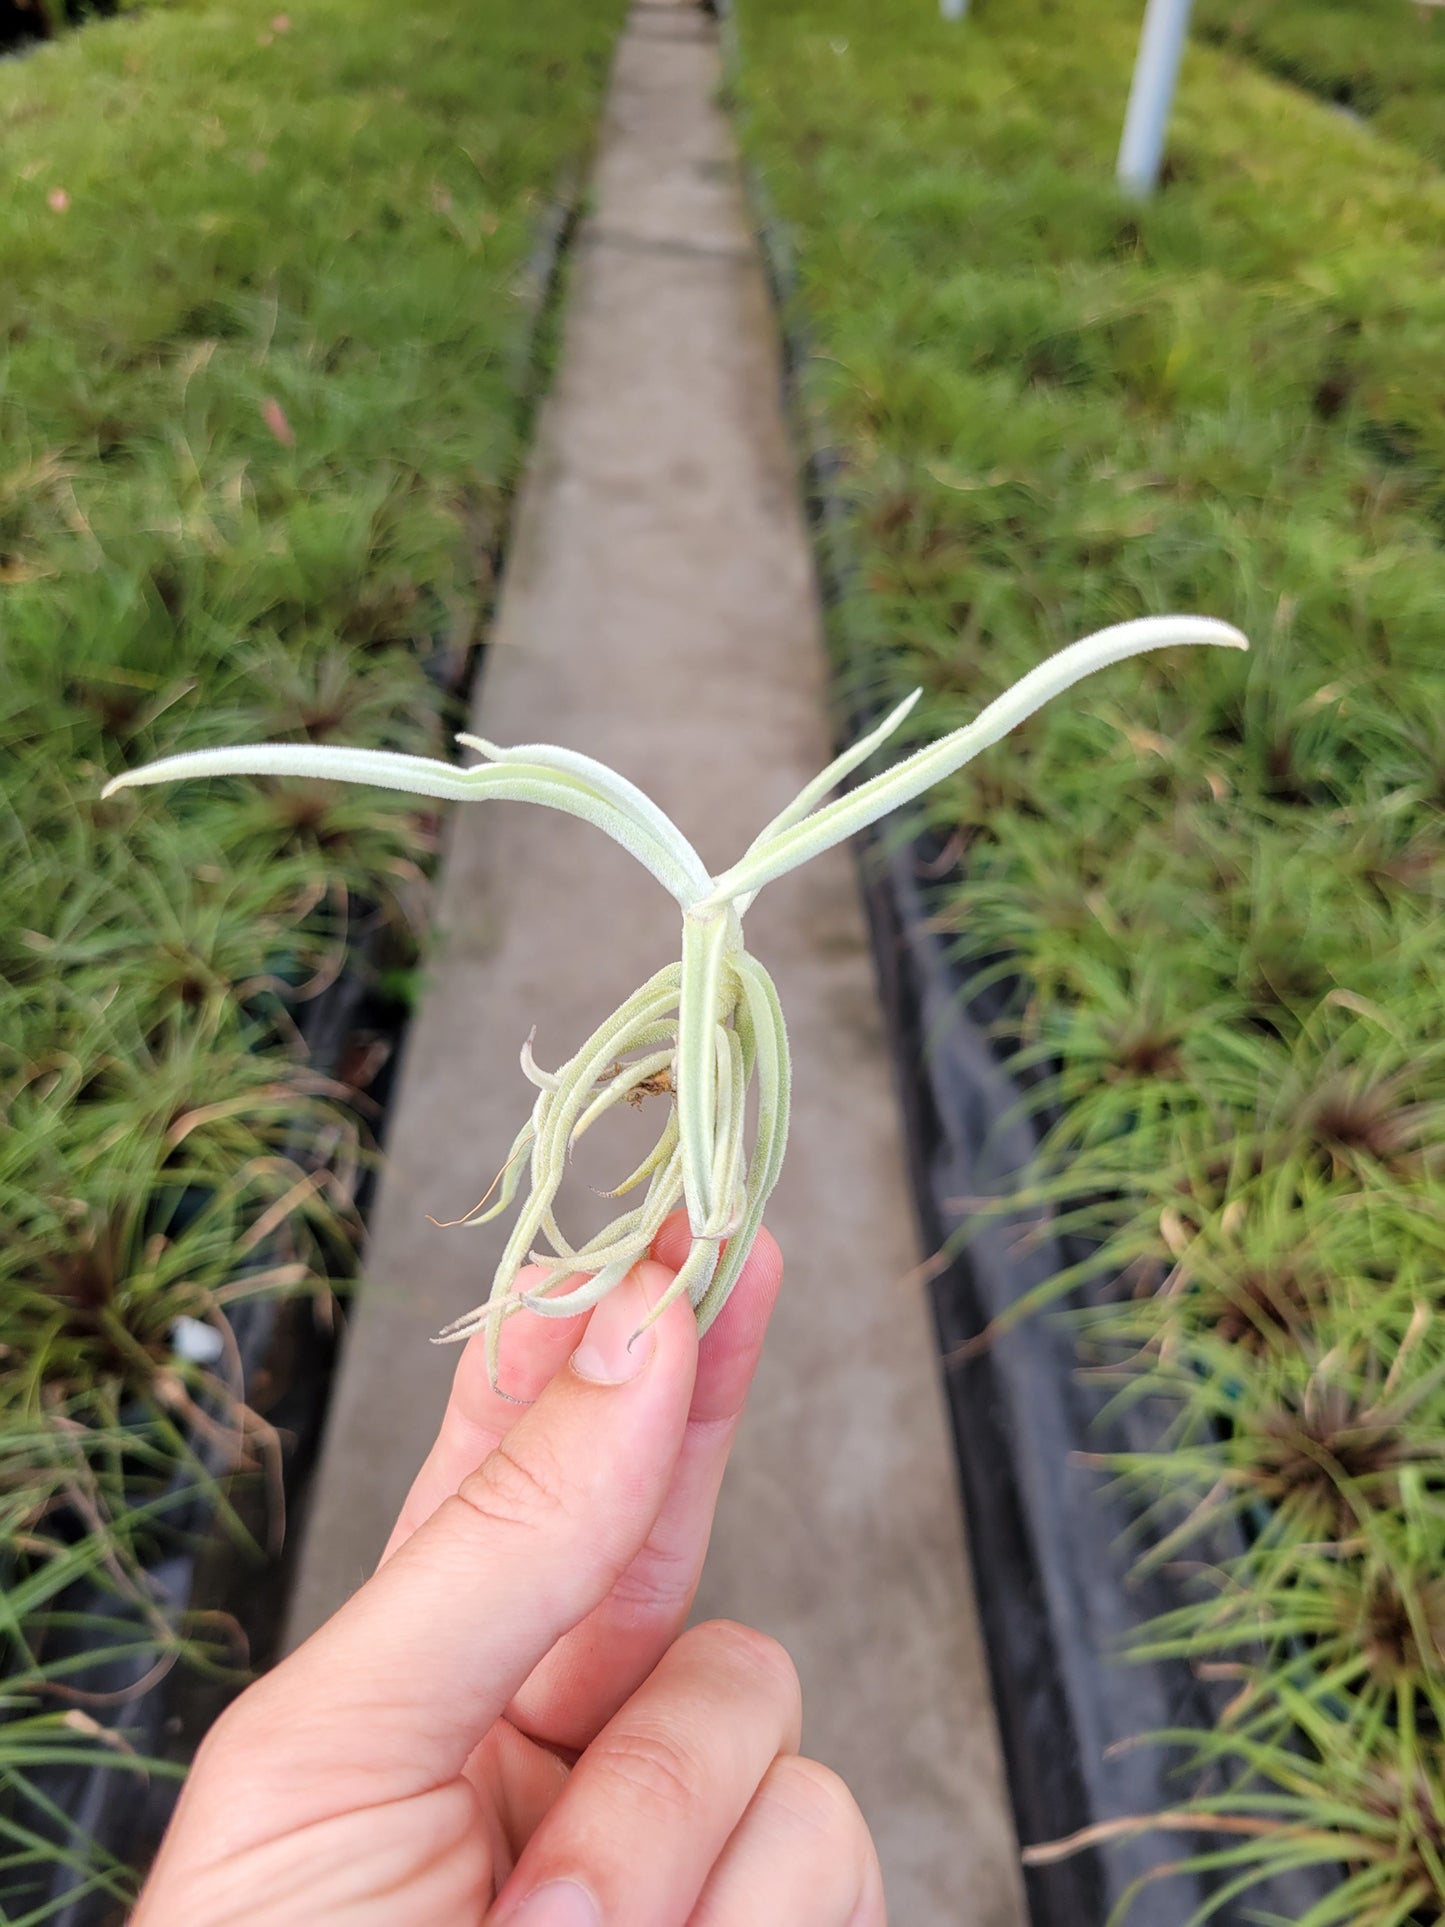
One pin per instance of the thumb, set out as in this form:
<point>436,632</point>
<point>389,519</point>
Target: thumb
<point>391,1696</point>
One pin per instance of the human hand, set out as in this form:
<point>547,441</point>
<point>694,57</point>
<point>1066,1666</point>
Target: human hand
<point>506,1723</point>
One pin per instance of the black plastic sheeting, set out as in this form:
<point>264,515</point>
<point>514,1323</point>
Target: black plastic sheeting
<point>1053,1550</point>
<point>23,22</point>
<point>1051,1547</point>
<point>281,1346</point>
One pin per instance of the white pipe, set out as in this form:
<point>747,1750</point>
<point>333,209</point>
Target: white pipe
<point>953,9</point>
<point>1161,47</point>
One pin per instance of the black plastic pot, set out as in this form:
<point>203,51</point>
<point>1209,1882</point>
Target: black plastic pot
<point>1052,1550</point>
<point>286,1363</point>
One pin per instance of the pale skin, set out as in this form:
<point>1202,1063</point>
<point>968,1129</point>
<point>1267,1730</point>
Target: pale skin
<point>508,1724</point>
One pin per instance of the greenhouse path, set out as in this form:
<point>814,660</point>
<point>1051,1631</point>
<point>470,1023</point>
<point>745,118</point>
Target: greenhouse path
<point>659,611</point>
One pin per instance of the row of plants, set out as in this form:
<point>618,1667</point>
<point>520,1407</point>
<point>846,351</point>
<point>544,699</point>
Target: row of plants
<point>265,328</point>
<point>1208,893</point>
<point>1383,60</point>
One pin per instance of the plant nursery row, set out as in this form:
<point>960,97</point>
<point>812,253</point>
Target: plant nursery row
<point>1382,61</point>
<point>267,330</point>
<point>1199,909</point>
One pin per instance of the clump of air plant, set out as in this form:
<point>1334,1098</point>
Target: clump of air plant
<point>1145,1049</point>
<point>1255,1295</point>
<point>1328,1454</point>
<point>703,1028</point>
<point>1261,1306</point>
<point>1354,1116</point>
<point>1397,1623</point>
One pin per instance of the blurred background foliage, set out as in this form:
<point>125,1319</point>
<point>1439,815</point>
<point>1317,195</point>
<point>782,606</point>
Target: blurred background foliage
<point>1211,889</point>
<point>266,340</point>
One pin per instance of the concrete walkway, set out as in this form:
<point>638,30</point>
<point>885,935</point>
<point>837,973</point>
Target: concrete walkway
<point>659,612</point>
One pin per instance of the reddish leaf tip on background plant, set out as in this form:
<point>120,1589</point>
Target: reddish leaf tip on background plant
<point>274,416</point>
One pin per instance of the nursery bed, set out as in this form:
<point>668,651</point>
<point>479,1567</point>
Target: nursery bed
<point>1383,60</point>
<point>1053,1569</point>
<point>1171,940</point>
<point>224,1561</point>
<point>278,312</point>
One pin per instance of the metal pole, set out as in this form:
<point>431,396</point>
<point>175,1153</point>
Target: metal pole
<point>953,9</point>
<point>1161,46</point>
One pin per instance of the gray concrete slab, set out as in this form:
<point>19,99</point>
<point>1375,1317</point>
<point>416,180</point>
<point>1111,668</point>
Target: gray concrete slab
<point>659,611</point>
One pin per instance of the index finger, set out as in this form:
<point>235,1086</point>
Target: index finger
<point>478,1416</point>
<point>597,1666</point>
<point>578,1687</point>
<point>393,1694</point>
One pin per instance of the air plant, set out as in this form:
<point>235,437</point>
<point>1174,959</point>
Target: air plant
<point>702,1028</point>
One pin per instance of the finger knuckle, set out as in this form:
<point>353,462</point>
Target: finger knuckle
<point>653,1764</point>
<point>656,1585</point>
<point>239,1727</point>
<point>237,1746</point>
<point>514,1488</point>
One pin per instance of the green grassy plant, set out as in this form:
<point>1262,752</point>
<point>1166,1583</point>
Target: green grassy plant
<point>1383,59</point>
<point>1212,901</point>
<point>264,316</point>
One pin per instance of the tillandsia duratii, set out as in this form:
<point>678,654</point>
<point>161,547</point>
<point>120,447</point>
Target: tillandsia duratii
<point>702,1029</point>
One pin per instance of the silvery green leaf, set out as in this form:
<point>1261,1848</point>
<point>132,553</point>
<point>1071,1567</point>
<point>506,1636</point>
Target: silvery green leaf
<point>704,943</point>
<point>553,788</point>
<point>607,782</point>
<point>828,780</point>
<point>908,780</point>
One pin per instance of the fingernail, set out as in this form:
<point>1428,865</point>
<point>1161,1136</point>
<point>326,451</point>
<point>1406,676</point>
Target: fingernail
<point>612,1349</point>
<point>561,1903</point>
